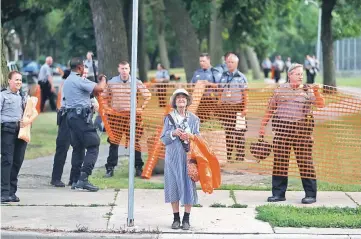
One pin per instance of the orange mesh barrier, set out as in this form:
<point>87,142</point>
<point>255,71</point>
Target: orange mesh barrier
<point>301,139</point>
<point>38,95</point>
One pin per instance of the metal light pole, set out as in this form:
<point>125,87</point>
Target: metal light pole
<point>133,109</point>
<point>318,47</point>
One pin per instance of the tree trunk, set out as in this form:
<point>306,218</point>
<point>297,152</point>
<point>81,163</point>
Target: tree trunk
<point>215,36</point>
<point>185,34</point>
<point>142,51</point>
<point>159,25</point>
<point>110,35</point>
<point>243,65</point>
<point>329,77</point>
<point>127,15</point>
<point>253,60</point>
<point>4,66</point>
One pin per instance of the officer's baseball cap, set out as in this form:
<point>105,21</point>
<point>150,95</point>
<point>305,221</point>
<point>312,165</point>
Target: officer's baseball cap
<point>75,62</point>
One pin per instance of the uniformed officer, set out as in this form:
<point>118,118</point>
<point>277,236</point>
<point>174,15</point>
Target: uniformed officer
<point>122,85</point>
<point>89,63</point>
<point>45,80</point>
<point>233,107</point>
<point>12,105</point>
<point>162,76</point>
<point>79,119</point>
<point>62,142</point>
<point>210,76</point>
<point>292,122</point>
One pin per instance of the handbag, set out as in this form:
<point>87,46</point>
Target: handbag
<point>192,167</point>
<point>192,170</point>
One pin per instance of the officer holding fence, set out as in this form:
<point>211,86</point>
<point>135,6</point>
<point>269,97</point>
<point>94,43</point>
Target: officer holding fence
<point>119,89</point>
<point>293,124</point>
<point>79,116</point>
<point>233,107</point>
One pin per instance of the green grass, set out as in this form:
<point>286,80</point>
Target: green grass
<point>237,205</point>
<point>322,217</point>
<point>43,136</point>
<point>218,205</point>
<point>120,179</point>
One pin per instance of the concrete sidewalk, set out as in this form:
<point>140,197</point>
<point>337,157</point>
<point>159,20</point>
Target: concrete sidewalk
<point>63,213</point>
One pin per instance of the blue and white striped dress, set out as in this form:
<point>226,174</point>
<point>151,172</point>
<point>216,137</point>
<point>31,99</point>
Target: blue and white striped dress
<point>177,184</point>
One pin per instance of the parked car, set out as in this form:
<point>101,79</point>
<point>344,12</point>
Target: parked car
<point>32,68</point>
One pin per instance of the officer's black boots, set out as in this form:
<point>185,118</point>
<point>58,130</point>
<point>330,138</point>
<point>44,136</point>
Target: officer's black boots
<point>308,200</point>
<point>83,183</point>
<point>57,183</point>
<point>109,173</point>
<point>138,171</point>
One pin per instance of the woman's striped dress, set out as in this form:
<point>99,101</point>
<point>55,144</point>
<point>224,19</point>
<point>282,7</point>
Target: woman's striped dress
<point>177,184</point>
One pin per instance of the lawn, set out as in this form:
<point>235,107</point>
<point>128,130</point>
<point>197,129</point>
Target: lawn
<point>322,217</point>
<point>43,136</point>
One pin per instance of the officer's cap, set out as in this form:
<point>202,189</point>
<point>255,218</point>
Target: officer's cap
<point>75,62</point>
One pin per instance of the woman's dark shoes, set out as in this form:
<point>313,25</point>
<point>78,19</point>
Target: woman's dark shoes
<point>276,199</point>
<point>185,225</point>
<point>176,224</point>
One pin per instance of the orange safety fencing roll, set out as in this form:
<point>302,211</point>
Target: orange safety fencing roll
<point>308,132</point>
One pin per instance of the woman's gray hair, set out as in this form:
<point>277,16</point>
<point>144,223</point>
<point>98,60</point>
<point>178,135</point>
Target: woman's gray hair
<point>294,66</point>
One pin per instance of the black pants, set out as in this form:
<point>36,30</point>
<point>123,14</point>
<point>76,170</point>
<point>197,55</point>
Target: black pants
<point>207,105</point>
<point>289,136</point>
<point>47,94</point>
<point>83,136</point>
<point>112,159</point>
<point>227,114</point>
<point>162,94</point>
<point>310,77</point>
<point>277,75</point>
<point>12,157</point>
<point>266,72</point>
<point>122,129</point>
<point>62,147</point>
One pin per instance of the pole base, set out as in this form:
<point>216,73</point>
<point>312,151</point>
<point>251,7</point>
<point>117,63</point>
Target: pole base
<point>130,222</point>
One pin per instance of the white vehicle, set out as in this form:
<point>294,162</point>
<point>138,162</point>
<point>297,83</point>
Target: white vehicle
<point>13,67</point>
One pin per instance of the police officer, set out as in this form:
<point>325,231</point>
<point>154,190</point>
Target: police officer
<point>45,80</point>
<point>122,84</point>
<point>12,105</point>
<point>233,107</point>
<point>89,63</point>
<point>62,142</point>
<point>210,76</point>
<point>162,76</point>
<point>79,119</point>
<point>292,122</point>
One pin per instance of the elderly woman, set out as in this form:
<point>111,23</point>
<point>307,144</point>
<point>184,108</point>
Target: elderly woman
<point>178,186</point>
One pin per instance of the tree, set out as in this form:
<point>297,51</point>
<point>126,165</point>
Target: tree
<point>158,9</point>
<point>4,67</point>
<point>329,77</point>
<point>215,32</point>
<point>186,35</point>
<point>110,34</point>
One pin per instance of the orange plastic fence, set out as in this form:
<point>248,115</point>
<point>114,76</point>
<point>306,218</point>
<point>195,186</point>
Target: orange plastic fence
<point>330,150</point>
<point>38,95</point>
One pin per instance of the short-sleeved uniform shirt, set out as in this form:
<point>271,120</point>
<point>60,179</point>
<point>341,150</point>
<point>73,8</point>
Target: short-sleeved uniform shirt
<point>77,90</point>
<point>44,73</point>
<point>292,104</point>
<point>233,84</point>
<point>11,106</point>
